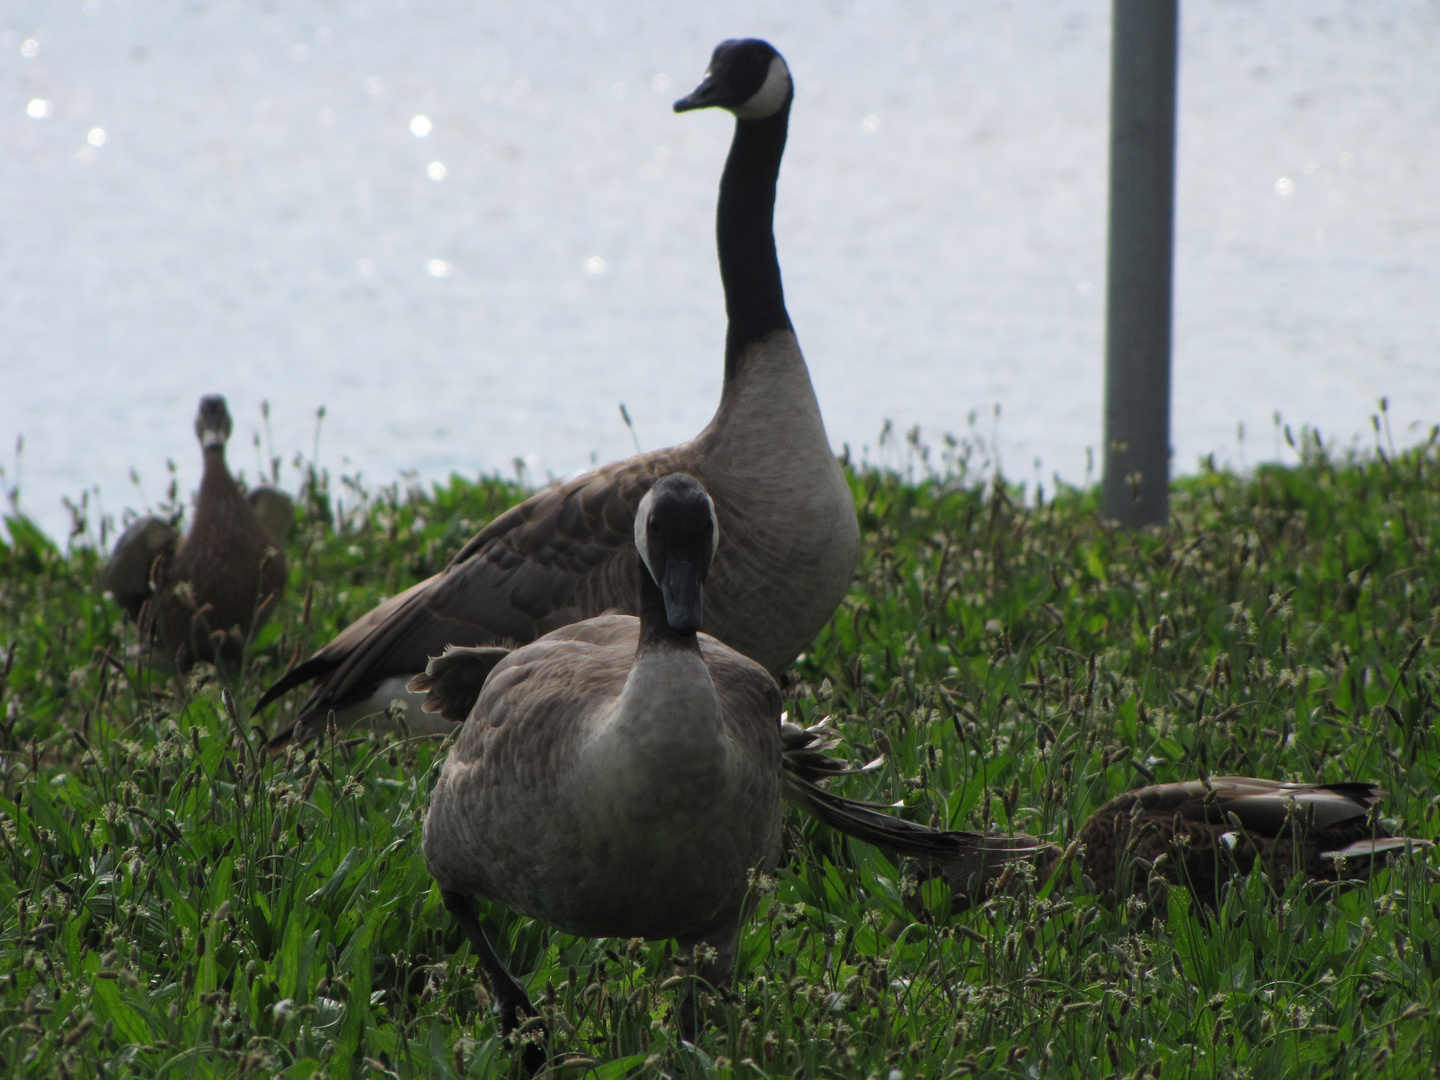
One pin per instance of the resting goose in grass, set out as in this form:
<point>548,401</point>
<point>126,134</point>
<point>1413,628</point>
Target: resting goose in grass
<point>1200,832</point>
<point>622,777</point>
<point>276,511</point>
<point>1208,829</point>
<point>202,596</point>
<point>789,536</point>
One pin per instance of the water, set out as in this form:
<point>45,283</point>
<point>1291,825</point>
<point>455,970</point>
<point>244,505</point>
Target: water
<point>224,197</point>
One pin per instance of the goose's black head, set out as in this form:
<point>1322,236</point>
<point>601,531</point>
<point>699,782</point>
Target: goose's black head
<point>747,77</point>
<point>212,422</point>
<point>676,535</point>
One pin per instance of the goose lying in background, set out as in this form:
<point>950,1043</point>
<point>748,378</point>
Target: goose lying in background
<point>789,536</point>
<point>622,777</point>
<point>1305,829</point>
<point>202,596</point>
<point>276,512</point>
<point>1200,832</point>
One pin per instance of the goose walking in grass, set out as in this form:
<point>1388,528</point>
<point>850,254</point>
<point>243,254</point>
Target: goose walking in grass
<point>789,536</point>
<point>1200,833</point>
<point>202,596</point>
<point>623,777</point>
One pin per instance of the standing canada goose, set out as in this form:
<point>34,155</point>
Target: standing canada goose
<point>1199,833</point>
<point>619,777</point>
<point>789,536</point>
<point>202,596</point>
<point>622,777</point>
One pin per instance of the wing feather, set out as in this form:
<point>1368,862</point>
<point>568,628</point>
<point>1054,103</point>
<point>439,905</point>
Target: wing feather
<point>562,555</point>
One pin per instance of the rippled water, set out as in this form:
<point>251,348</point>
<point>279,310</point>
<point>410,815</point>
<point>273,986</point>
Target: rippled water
<point>472,230</point>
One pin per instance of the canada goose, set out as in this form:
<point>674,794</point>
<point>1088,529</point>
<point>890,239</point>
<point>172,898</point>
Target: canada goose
<point>224,578</point>
<point>1207,829</point>
<point>1199,832</point>
<point>621,777</point>
<point>789,536</point>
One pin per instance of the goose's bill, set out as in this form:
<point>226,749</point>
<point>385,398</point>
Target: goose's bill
<point>683,593</point>
<point>704,96</point>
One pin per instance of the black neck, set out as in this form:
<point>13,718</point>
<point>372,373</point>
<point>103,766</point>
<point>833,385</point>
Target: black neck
<point>745,234</point>
<point>655,629</point>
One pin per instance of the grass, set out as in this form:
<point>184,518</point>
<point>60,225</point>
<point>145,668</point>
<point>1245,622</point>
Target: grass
<point>174,904</point>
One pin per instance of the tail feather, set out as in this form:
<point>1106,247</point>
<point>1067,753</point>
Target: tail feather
<point>985,864</point>
<point>316,667</point>
<point>969,862</point>
<point>864,822</point>
<point>277,743</point>
<point>452,681</point>
<point>806,752</point>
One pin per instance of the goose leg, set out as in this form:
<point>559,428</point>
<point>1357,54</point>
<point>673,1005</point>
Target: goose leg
<point>712,956</point>
<point>509,994</point>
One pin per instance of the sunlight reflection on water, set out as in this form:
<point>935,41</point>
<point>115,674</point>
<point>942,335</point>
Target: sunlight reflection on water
<point>219,200</point>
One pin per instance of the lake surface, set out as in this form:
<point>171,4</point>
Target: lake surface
<point>471,230</point>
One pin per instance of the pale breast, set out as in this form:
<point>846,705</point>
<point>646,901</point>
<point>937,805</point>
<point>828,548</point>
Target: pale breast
<point>789,538</point>
<point>538,809</point>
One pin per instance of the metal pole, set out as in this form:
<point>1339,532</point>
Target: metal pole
<point>1139,261</point>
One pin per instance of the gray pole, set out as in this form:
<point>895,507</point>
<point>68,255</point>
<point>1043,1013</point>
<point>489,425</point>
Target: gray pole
<point>1138,268</point>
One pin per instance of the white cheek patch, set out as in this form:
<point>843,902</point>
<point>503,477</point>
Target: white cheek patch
<point>642,534</point>
<point>714,526</point>
<point>772,94</point>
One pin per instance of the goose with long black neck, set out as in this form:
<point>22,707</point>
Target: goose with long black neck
<point>745,213</point>
<point>789,536</point>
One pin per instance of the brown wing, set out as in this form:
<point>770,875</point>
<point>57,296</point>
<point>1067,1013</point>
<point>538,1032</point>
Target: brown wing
<point>1251,817</point>
<point>562,555</point>
<point>1260,806</point>
<point>537,694</point>
<point>452,681</point>
<point>750,711</point>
